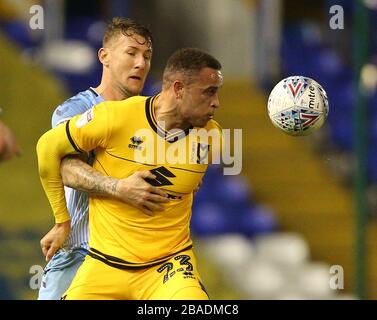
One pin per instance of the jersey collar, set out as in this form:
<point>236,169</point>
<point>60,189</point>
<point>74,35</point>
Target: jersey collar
<point>170,136</point>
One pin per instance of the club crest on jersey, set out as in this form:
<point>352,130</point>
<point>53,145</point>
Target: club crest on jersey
<point>295,86</point>
<point>136,143</point>
<point>199,153</point>
<point>85,118</point>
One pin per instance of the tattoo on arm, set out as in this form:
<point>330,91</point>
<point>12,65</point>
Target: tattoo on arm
<point>79,175</point>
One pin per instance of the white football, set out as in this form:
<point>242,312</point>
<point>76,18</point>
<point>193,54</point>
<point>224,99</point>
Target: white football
<point>298,105</point>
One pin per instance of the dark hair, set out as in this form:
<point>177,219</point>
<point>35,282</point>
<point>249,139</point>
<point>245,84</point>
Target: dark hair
<point>189,61</point>
<point>127,27</point>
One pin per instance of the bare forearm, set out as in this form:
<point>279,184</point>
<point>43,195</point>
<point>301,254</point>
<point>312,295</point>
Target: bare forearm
<point>79,175</point>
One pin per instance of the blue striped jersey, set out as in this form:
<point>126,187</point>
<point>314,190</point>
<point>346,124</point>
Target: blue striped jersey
<point>77,201</point>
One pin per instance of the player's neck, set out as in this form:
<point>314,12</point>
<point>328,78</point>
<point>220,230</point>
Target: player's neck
<point>166,111</point>
<point>108,92</point>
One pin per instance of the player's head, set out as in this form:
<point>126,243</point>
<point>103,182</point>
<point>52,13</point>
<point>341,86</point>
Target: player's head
<point>126,55</point>
<point>194,77</point>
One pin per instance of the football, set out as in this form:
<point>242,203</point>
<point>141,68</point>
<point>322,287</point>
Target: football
<point>298,105</point>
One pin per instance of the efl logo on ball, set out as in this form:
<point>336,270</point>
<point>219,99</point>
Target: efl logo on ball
<point>298,105</point>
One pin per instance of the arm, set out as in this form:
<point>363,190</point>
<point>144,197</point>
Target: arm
<point>78,135</point>
<point>79,175</point>
<point>133,190</point>
<point>51,147</point>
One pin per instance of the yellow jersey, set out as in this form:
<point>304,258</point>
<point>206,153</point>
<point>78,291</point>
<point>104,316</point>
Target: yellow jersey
<point>127,138</point>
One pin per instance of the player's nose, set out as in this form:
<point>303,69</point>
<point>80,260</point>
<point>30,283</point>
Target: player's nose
<point>215,102</point>
<point>140,63</point>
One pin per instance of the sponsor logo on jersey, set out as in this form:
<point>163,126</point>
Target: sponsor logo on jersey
<point>202,153</point>
<point>136,143</point>
<point>162,174</point>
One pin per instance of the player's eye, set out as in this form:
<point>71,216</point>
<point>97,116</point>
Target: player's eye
<point>131,53</point>
<point>210,92</point>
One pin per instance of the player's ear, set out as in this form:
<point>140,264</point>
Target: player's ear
<point>178,88</point>
<point>103,56</point>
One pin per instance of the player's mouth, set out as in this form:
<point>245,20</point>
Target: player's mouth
<point>135,78</point>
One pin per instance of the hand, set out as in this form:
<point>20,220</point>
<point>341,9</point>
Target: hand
<point>8,143</point>
<point>134,190</point>
<point>54,239</point>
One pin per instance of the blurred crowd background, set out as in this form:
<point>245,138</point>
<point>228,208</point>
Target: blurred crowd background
<point>300,220</point>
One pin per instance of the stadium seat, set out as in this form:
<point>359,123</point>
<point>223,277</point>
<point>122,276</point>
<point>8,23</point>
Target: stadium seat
<point>20,33</point>
<point>224,204</point>
<point>341,132</point>
<point>232,192</point>
<point>313,280</point>
<point>261,279</point>
<point>257,219</point>
<point>285,249</point>
<point>210,218</point>
<point>231,251</point>
<point>85,28</point>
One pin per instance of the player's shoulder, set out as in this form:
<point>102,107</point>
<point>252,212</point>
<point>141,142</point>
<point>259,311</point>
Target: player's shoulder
<point>74,105</point>
<point>127,104</point>
<point>84,99</point>
<point>131,101</point>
